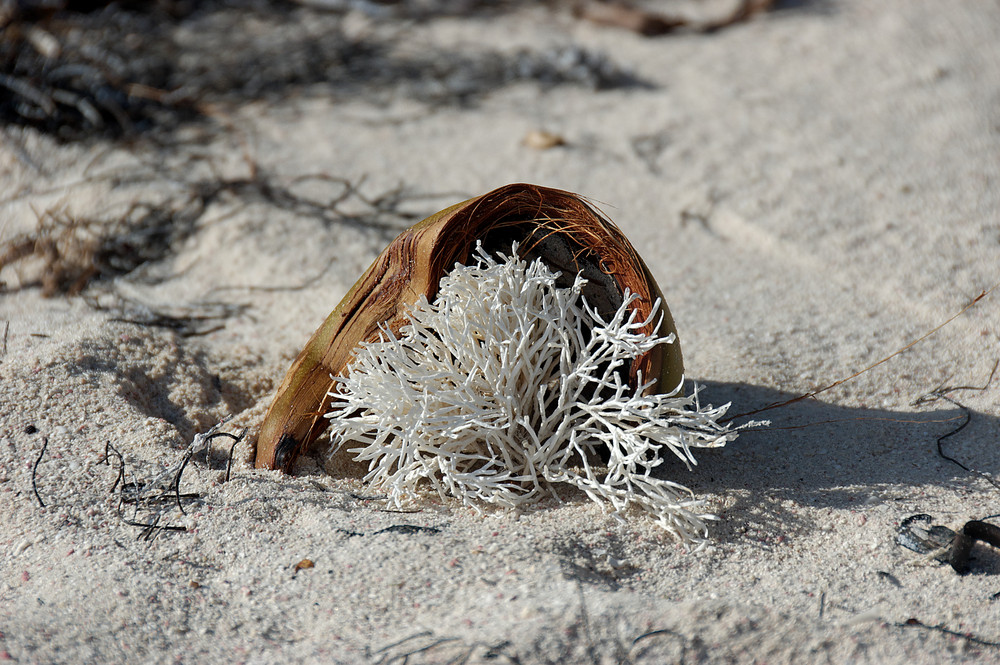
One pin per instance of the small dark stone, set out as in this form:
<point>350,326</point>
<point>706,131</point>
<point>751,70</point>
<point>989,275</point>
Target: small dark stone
<point>30,429</point>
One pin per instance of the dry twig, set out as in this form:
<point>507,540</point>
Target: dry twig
<point>831,386</point>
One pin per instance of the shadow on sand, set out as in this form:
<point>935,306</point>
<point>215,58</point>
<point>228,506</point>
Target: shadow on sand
<point>829,456</point>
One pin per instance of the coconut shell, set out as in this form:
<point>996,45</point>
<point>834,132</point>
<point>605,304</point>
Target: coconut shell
<point>560,227</point>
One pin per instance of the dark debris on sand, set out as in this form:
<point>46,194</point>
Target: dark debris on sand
<point>83,69</point>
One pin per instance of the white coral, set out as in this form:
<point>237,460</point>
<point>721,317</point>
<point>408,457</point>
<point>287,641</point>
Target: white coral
<point>507,384</point>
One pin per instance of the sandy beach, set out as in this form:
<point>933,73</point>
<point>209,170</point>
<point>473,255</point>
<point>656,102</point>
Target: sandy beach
<point>813,189</point>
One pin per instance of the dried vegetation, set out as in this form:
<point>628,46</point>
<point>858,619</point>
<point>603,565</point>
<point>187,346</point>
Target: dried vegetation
<point>84,69</point>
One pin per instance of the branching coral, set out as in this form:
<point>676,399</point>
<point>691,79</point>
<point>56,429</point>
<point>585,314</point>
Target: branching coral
<point>508,384</point>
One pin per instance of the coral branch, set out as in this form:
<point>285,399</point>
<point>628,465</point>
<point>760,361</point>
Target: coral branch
<point>507,384</point>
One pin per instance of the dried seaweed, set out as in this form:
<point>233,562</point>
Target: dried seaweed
<point>134,494</point>
<point>67,254</point>
<point>73,73</point>
<point>459,650</point>
<point>151,499</point>
<point>70,253</point>
<point>942,393</point>
<point>940,628</point>
<point>75,251</point>
<point>76,70</point>
<point>344,204</point>
<point>187,319</point>
<point>34,471</point>
<point>582,641</point>
<point>658,633</point>
<point>232,449</point>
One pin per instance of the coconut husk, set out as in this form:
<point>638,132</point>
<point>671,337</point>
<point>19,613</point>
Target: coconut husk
<point>560,227</point>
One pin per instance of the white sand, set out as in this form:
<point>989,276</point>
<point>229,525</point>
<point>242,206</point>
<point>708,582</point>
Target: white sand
<point>812,190</point>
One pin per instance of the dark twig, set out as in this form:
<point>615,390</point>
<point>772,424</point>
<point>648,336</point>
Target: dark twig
<point>34,470</point>
<point>206,440</point>
<point>494,651</point>
<point>232,449</point>
<point>423,633</point>
<point>216,435</point>
<point>147,533</point>
<point>947,631</point>
<point>149,529</point>
<point>176,484</point>
<point>120,478</point>
<point>654,633</point>
<point>168,482</point>
<point>934,394</point>
<point>663,631</point>
<point>966,419</point>
<point>490,652</point>
<point>941,393</point>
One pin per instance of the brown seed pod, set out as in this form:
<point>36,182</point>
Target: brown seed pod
<point>560,227</point>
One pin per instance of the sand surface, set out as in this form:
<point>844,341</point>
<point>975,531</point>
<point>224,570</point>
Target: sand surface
<point>813,190</point>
